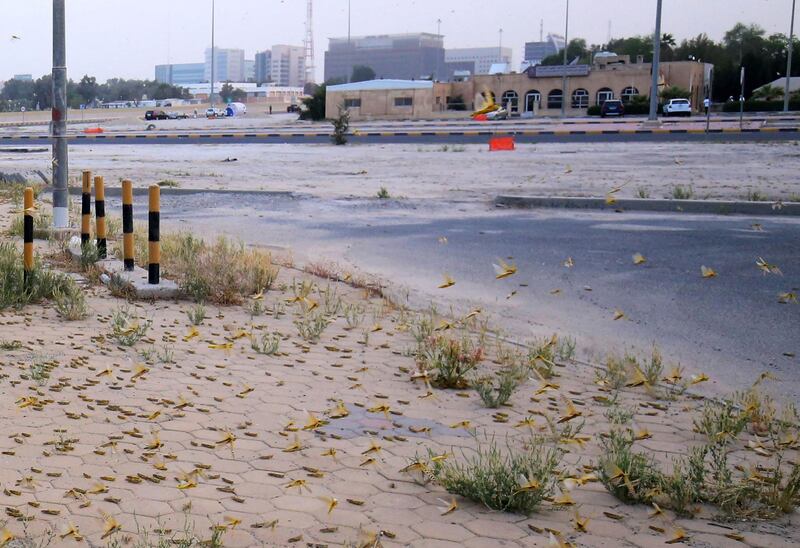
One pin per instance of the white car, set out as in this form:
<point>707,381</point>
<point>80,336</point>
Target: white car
<point>499,114</point>
<point>215,113</point>
<point>678,107</point>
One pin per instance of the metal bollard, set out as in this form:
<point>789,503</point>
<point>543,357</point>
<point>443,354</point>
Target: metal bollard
<point>27,255</point>
<point>154,244</point>
<point>86,208</point>
<point>100,212</point>
<point>127,225</point>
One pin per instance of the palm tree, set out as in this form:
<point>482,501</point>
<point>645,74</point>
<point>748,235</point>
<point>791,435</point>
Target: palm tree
<point>768,93</point>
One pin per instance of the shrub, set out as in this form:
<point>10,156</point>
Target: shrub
<point>383,193</point>
<point>341,124</point>
<point>680,192</point>
<point>508,481</point>
<point>43,284</point>
<point>311,326</point>
<point>508,380</point>
<point>126,326</point>
<point>631,477</point>
<point>267,344</point>
<point>70,303</point>
<point>760,106</point>
<point>196,314</point>
<point>449,360</point>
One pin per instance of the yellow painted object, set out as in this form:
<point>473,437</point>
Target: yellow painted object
<point>127,224</point>
<point>28,249</point>
<point>154,245</point>
<point>488,106</point>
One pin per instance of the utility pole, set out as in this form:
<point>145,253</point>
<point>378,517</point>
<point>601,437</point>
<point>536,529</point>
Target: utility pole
<point>309,42</point>
<point>439,28</point>
<point>213,52</point>
<point>655,66</point>
<point>789,63</point>
<point>564,73</point>
<point>59,118</point>
<point>500,47</point>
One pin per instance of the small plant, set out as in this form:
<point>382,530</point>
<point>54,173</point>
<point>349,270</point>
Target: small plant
<point>642,193</point>
<point>341,125</point>
<point>89,255</point>
<point>148,354</point>
<point>756,196</point>
<point>255,308</point>
<point>331,301</point>
<point>509,481</point>
<point>311,326</point>
<point>70,303</point>
<point>615,374</point>
<point>126,327</point>
<point>168,183</point>
<point>619,415</point>
<point>166,354</point>
<point>680,192</point>
<point>39,371</point>
<point>10,346</point>
<point>631,477</point>
<point>267,344</point>
<point>721,424</point>
<point>354,315</point>
<point>120,288</point>
<point>508,380</point>
<point>196,314</point>
<point>653,368</point>
<point>383,193</point>
<point>565,349</point>
<point>449,360</point>
<point>542,356</point>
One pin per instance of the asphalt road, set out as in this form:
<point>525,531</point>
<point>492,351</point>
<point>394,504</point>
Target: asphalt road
<point>731,327</point>
<point>412,137</point>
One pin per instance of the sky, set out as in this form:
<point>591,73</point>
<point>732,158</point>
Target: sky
<point>124,38</point>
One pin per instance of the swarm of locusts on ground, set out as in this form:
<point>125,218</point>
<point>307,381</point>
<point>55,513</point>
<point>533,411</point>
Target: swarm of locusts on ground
<point>275,404</point>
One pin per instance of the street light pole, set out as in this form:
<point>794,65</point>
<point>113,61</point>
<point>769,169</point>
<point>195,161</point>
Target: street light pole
<point>213,51</point>
<point>789,63</point>
<point>564,73</point>
<point>655,66</point>
<point>59,118</point>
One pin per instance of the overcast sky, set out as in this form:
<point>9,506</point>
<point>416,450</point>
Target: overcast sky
<point>126,38</point>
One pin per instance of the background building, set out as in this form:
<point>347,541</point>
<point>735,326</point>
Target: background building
<point>263,67</point>
<point>481,58</point>
<point>536,51</point>
<point>401,56</point>
<point>288,65</point>
<point>228,65</point>
<point>249,70</point>
<point>23,77</point>
<point>182,73</point>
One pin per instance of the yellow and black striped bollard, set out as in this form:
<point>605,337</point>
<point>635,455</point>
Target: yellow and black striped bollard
<point>27,254</point>
<point>86,208</point>
<point>127,225</point>
<point>154,244</point>
<point>100,212</point>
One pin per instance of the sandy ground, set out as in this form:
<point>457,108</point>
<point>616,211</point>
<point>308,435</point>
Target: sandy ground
<point>450,173</point>
<point>232,439</point>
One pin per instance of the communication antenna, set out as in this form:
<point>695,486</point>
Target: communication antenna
<point>309,41</point>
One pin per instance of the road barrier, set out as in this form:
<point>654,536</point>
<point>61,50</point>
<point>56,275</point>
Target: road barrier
<point>100,212</point>
<point>27,254</point>
<point>501,143</point>
<point>86,209</point>
<point>127,225</point>
<point>154,244</point>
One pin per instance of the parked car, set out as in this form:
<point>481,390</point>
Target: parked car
<point>678,107</point>
<point>499,114</point>
<point>215,113</point>
<point>177,115</point>
<point>155,115</point>
<point>293,108</point>
<point>612,107</point>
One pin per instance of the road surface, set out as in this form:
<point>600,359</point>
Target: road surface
<point>731,327</point>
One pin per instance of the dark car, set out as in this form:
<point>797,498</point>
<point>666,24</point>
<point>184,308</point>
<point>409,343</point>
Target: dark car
<point>155,115</point>
<point>293,108</point>
<point>612,107</point>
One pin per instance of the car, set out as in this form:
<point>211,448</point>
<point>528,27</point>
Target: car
<point>293,108</point>
<point>499,114</point>
<point>215,113</point>
<point>177,115</point>
<point>612,107</point>
<point>155,115</point>
<point>678,107</point>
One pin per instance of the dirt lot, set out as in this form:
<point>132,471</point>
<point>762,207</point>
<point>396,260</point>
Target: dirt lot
<point>448,172</point>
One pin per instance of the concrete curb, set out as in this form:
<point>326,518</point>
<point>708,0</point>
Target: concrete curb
<point>652,205</point>
<point>116,192</point>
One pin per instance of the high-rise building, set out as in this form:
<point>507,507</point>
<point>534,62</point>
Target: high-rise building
<point>400,56</point>
<point>482,58</point>
<point>263,68</point>
<point>535,52</point>
<point>182,73</point>
<point>228,65</point>
<point>288,65</point>
<point>249,70</point>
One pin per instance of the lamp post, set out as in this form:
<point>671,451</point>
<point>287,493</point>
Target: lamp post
<point>59,118</point>
<point>213,52</point>
<point>655,67</point>
<point>789,63</point>
<point>564,69</point>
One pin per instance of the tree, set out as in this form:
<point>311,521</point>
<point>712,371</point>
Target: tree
<point>362,73</point>
<point>674,92</point>
<point>226,93</point>
<point>768,93</point>
<point>239,95</point>
<point>87,89</point>
<point>575,50</point>
<point>315,105</point>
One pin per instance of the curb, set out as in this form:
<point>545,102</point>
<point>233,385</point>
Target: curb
<point>653,205</point>
<point>116,192</point>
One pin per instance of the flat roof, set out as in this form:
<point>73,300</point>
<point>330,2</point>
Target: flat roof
<point>374,85</point>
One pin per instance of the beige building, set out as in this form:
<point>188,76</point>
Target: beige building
<point>534,92</point>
